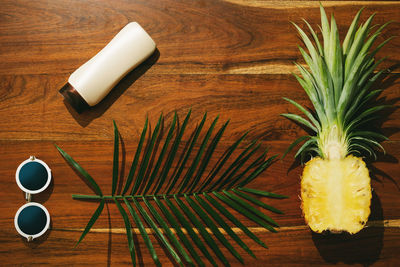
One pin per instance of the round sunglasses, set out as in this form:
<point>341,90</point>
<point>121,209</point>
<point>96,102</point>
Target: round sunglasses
<point>32,219</point>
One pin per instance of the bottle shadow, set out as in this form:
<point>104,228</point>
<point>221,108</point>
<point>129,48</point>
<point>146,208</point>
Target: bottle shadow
<point>86,117</point>
<point>361,248</point>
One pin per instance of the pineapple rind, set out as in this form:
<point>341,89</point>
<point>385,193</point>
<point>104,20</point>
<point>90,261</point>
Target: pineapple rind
<point>336,194</point>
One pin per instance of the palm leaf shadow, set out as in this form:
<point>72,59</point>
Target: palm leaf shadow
<point>171,191</point>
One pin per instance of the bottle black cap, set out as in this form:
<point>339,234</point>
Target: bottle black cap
<point>74,98</point>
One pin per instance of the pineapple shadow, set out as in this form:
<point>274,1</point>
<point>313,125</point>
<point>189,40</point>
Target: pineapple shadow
<point>362,248</point>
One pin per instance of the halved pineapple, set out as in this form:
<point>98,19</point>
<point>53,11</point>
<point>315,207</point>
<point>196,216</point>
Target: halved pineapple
<point>336,194</point>
<point>335,185</point>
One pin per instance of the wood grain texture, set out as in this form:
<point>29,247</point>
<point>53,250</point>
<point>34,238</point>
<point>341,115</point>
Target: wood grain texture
<point>193,37</point>
<point>231,58</point>
<point>35,110</point>
<point>288,248</point>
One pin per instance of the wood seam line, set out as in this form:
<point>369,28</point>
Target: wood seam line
<point>242,68</point>
<point>278,4</point>
<point>379,224</point>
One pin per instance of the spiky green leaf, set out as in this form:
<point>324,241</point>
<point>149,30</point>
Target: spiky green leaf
<point>115,159</point>
<point>92,220</point>
<point>82,171</point>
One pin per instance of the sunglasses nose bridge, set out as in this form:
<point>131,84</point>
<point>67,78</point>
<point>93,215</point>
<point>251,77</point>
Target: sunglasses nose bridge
<point>28,197</point>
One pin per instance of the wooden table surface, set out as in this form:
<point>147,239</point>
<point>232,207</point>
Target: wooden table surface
<point>232,58</point>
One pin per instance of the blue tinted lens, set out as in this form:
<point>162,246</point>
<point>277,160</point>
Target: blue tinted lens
<point>32,220</point>
<point>33,176</point>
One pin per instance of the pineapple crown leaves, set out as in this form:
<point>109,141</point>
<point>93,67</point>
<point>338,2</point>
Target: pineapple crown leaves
<point>184,195</point>
<point>338,82</point>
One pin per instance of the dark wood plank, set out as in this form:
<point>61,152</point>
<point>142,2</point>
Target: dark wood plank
<point>32,109</point>
<point>288,248</point>
<point>233,36</point>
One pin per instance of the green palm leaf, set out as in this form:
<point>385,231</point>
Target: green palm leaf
<point>177,192</point>
<point>128,228</point>
<point>213,227</point>
<point>178,231</point>
<point>143,232</point>
<point>157,231</point>
<point>190,231</point>
<point>116,160</point>
<point>222,223</point>
<point>136,159</point>
<point>168,232</point>
<point>92,220</point>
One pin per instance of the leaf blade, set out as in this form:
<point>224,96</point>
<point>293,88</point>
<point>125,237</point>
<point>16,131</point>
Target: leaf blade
<point>262,193</point>
<point>301,120</point>
<point>202,230</point>
<point>128,228</point>
<point>161,156</point>
<point>115,159</point>
<point>157,231</point>
<point>179,232</point>
<point>257,202</point>
<point>221,163</point>
<point>187,154</point>
<point>143,232</point>
<point>146,157</point>
<point>172,153</point>
<point>207,220</point>
<point>244,212</point>
<point>207,157</point>
<point>82,171</point>
<point>247,206</point>
<point>190,231</point>
<point>92,220</point>
<point>222,223</point>
<point>136,158</point>
<point>167,231</point>
<point>233,219</point>
<point>295,143</point>
<point>196,160</point>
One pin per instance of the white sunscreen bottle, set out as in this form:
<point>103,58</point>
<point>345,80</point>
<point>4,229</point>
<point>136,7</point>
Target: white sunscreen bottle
<point>92,81</point>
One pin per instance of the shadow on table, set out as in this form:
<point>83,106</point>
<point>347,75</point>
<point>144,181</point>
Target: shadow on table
<point>87,116</point>
<point>37,241</point>
<point>42,197</point>
<point>362,248</point>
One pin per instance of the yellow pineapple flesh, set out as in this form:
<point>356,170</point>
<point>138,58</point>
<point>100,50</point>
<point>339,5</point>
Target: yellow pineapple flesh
<point>336,194</point>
